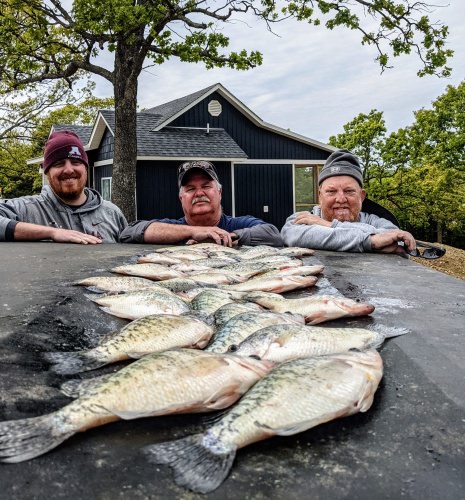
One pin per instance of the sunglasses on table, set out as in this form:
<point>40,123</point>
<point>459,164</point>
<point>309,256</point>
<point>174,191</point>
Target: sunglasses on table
<point>427,251</point>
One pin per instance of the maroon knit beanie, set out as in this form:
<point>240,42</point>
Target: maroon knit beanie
<point>61,145</point>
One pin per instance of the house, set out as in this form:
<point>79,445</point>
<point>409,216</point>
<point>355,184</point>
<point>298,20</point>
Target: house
<point>265,171</point>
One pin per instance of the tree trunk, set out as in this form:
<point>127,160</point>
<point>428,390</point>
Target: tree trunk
<point>439,232</point>
<point>125,154</point>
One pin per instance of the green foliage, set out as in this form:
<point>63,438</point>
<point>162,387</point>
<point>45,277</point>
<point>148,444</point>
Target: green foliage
<point>419,171</point>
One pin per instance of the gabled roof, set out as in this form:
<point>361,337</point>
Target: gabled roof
<point>168,112</point>
<point>186,142</point>
<point>83,131</point>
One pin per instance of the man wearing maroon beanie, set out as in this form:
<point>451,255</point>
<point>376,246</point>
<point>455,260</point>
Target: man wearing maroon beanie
<point>66,210</point>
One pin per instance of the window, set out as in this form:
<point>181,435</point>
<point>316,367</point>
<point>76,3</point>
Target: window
<point>106,188</point>
<point>306,187</point>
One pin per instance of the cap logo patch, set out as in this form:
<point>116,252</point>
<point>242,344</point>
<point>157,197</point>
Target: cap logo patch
<point>74,152</point>
<point>335,169</point>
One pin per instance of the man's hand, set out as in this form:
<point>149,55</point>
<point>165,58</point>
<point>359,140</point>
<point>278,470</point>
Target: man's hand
<point>308,219</point>
<point>388,241</point>
<point>71,236</point>
<point>213,234</point>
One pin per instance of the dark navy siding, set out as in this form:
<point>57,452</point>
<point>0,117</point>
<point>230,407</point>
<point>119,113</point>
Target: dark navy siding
<point>255,141</point>
<point>157,189</point>
<point>106,148</point>
<point>256,186</point>
<point>99,173</point>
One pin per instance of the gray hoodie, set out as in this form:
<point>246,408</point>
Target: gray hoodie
<point>341,236</point>
<point>97,216</point>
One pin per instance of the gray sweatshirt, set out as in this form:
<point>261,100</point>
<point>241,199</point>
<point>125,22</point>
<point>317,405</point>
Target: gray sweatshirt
<point>341,236</point>
<point>97,216</point>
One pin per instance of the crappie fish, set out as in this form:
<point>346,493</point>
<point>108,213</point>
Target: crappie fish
<point>282,343</point>
<point>296,252</point>
<point>259,251</point>
<point>203,264</point>
<point>296,271</point>
<point>183,284</point>
<point>153,333</point>
<point>274,284</point>
<point>315,309</point>
<point>116,284</point>
<point>134,305</point>
<point>292,398</point>
<point>176,381</point>
<point>155,272</point>
<point>183,253</point>
<point>209,300</point>
<point>224,313</point>
<point>159,258</point>
<point>242,325</point>
<point>211,277</point>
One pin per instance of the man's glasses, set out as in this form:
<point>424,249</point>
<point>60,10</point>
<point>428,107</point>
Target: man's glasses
<point>427,251</point>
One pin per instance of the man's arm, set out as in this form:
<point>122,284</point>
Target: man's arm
<point>321,236</point>
<point>263,234</point>
<point>162,232</point>
<point>13,229</point>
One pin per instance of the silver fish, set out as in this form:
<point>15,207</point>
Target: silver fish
<point>156,272</point>
<point>259,251</point>
<point>134,305</point>
<point>274,284</point>
<point>315,309</point>
<point>176,381</point>
<point>282,343</point>
<point>159,258</point>
<point>209,300</point>
<point>224,313</point>
<point>242,325</point>
<point>153,333</point>
<point>203,264</point>
<point>296,271</point>
<point>116,284</point>
<point>183,284</point>
<point>292,398</point>
<point>296,252</point>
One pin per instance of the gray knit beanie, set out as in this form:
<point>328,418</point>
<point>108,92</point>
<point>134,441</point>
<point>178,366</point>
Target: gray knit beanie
<point>341,162</point>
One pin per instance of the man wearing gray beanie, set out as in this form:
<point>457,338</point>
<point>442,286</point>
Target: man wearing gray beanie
<point>66,211</point>
<point>342,225</point>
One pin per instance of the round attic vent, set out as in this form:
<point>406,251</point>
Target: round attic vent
<point>214,108</point>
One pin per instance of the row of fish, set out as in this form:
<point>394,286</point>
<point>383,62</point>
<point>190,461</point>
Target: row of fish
<point>208,328</point>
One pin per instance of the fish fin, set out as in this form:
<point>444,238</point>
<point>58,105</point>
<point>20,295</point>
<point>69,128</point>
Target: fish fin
<point>389,331</point>
<point>27,438</point>
<point>195,466</point>
<point>118,314</point>
<point>69,363</point>
<point>77,387</point>
<point>223,398</point>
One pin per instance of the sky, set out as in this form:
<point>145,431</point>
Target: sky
<point>313,81</point>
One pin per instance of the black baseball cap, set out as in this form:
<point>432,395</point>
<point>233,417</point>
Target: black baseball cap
<point>187,166</point>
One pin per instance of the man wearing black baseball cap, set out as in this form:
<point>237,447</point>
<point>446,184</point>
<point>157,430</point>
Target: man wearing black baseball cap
<point>342,225</point>
<point>66,211</point>
<point>204,220</point>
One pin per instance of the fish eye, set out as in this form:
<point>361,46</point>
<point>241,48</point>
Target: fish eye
<point>254,356</point>
<point>233,348</point>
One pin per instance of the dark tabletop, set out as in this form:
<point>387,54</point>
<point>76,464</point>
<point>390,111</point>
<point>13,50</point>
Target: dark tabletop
<point>410,444</point>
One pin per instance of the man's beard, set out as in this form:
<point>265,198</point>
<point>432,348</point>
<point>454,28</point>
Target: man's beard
<point>68,194</point>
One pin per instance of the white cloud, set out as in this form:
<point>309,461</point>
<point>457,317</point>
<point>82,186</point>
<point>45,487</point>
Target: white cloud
<point>312,80</point>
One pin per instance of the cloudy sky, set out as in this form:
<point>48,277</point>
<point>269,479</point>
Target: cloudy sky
<point>312,80</point>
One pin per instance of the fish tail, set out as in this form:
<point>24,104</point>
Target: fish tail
<point>69,363</point>
<point>196,467</point>
<point>30,437</point>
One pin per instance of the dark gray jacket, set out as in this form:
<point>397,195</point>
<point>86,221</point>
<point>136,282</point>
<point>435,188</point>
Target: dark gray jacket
<point>97,216</point>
